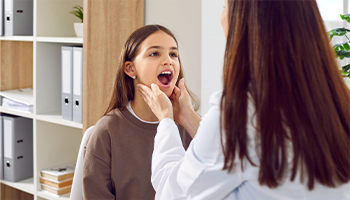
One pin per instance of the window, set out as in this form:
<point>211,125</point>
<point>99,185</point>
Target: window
<point>330,12</point>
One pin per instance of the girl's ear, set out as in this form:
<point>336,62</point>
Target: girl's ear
<point>129,69</point>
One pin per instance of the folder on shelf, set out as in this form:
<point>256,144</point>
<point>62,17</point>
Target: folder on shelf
<point>18,148</point>
<point>77,84</point>
<point>18,17</point>
<point>67,78</point>
<point>1,17</point>
<point>1,151</point>
<point>18,99</point>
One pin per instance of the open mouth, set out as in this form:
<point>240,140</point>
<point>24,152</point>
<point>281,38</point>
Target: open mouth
<point>165,77</point>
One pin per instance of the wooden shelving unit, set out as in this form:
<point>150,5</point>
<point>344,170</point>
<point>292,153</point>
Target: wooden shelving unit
<point>35,61</point>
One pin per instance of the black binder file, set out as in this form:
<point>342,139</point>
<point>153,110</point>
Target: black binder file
<point>18,148</point>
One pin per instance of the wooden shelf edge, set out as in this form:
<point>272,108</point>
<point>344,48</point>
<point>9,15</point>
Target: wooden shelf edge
<point>26,185</point>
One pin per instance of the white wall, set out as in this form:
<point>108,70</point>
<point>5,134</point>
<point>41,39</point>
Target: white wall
<point>213,49</point>
<point>196,25</point>
<point>183,18</point>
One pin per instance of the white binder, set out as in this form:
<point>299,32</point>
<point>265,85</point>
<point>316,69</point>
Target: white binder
<point>1,151</point>
<point>18,148</point>
<point>18,17</point>
<point>67,78</point>
<point>1,17</point>
<point>77,84</point>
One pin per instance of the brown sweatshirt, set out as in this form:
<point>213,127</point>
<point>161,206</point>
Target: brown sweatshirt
<point>118,156</point>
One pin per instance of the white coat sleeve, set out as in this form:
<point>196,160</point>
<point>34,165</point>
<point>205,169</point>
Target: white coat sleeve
<point>168,154</point>
<point>173,169</point>
<point>196,173</point>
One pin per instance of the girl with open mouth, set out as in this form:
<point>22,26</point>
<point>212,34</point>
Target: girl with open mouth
<point>118,153</point>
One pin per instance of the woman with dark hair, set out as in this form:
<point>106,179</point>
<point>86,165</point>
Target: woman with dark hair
<point>280,127</point>
<point>118,152</point>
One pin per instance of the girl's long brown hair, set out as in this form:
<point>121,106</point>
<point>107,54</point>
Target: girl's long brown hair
<point>279,53</point>
<point>123,89</point>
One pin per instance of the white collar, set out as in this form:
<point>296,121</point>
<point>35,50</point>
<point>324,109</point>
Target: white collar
<point>128,106</point>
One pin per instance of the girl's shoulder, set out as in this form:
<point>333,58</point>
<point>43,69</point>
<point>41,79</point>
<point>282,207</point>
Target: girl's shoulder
<point>99,141</point>
<point>110,119</point>
<point>121,120</point>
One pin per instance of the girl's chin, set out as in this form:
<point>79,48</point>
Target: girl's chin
<point>167,91</point>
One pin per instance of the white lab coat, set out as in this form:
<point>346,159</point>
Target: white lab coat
<point>197,173</point>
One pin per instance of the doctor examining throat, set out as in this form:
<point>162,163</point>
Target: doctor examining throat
<point>279,129</point>
<point>118,152</point>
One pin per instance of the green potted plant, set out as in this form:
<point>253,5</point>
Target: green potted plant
<point>343,49</point>
<point>78,27</point>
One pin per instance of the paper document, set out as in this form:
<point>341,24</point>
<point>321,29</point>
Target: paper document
<point>7,103</point>
<point>24,96</point>
<point>18,99</point>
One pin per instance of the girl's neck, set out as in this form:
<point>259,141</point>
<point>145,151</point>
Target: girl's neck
<point>141,109</point>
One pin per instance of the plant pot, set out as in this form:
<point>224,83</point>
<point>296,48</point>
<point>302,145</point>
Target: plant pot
<point>78,27</point>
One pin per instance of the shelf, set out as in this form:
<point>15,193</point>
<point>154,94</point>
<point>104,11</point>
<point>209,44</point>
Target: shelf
<point>35,62</point>
<point>50,196</point>
<point>56,118</point>
<point>16,112</point>
<point>73,40</point>
<point>26,185</point>
<point>17,38</point>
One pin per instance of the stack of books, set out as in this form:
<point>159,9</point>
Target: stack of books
<point>57,180</point>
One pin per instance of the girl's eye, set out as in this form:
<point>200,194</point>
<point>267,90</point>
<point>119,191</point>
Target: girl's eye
<point>154,54</point>
<point>173,55</point>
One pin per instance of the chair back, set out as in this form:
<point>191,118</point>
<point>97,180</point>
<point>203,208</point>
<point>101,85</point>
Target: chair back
<point>77,185</point>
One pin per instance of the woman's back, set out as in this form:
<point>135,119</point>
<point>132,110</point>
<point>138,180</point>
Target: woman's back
<point>278,53</point>
<point>207,180</point>
<point>279,63</point>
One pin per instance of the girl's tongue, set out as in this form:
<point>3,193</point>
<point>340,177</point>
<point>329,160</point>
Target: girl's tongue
<point>164,79</point>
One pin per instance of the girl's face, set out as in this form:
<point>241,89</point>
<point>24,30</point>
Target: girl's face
<point>224,19</point>
<point>157,62</point>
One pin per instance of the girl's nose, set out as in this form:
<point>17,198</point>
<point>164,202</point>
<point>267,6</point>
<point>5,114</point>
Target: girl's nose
<point>168,61</point>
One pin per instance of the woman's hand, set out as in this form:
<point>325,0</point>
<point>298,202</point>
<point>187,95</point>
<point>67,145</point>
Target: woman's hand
<point>183,110</point>
<point>181,101</point>
<point>157,101</point>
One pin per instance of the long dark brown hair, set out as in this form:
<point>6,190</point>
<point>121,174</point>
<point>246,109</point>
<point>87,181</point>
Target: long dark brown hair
<point>279,54</point>
<point>123,89</point>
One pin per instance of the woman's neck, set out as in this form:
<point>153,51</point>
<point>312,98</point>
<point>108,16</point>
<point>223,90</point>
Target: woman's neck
<point>141,109</point>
